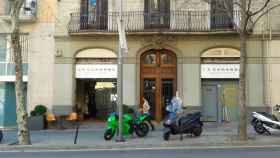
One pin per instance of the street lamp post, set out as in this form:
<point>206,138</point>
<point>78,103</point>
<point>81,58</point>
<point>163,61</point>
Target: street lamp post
<point>121,50</point>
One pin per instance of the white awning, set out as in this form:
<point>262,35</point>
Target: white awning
<point>96,53</point>
<point>221,53</point>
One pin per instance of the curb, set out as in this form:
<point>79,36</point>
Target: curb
<point>133,146</point>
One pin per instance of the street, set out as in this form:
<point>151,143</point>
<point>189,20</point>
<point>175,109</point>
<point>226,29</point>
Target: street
<point>267,152</point>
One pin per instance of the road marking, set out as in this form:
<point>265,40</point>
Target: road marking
<point>140,148</point>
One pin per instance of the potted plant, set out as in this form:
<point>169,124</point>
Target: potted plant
<point>37,119</point>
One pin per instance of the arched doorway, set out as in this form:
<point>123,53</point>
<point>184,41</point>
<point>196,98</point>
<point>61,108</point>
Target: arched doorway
<point>219,84</point>
<point>96,77</point>
<point>158,79</point>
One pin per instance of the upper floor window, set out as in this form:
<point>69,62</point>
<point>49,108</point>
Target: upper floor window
<point>90,6</point>
<point>157,13</point>
<point>6,49</point>
<point>221,14</point>
<point>155,5</point>
<point>28,10</point>
<point>94,14</point>
<point>3,46</point>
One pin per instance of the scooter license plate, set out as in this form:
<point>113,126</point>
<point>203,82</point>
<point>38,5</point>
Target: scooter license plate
<point>166,130</point>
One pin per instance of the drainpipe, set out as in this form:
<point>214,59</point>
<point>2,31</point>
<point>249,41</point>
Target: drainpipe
<point>269,66</point>
<point>266,65</point>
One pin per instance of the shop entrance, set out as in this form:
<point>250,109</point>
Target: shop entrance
<point>219,84</point>
<point>96,88</point>
<point>158,80</point>
<point>220,100</point>
<point>96,98</point>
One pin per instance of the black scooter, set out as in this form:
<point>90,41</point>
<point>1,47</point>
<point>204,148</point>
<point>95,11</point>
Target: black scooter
<point>1,136</point>
<point>186,124</point>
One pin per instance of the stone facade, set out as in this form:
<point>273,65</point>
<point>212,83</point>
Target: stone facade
<point>262,78</point>
<point>41,52</point>
<point>54,61</point>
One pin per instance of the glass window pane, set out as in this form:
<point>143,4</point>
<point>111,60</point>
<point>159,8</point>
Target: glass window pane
<point>154,5</point>
<point>92,5</point>
<point>166,58</point>
<point>93,2</point>
<point>150,59</point>
<point>2,48</point>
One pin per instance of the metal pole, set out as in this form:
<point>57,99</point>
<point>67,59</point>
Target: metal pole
<point>120,137</point>
<point>77,132</point>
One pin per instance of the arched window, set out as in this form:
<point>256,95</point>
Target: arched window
<point>150,58</point>
<point>166,58</point>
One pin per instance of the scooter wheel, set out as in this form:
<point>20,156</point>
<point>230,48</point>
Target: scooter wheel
<point>166,135</point>
<point>109,134</point>
<point>1,136</point>
<point>197,131</point>
<point>259,128</point>
<point>142,130</point>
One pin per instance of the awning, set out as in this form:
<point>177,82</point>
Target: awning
<point>96,53</point>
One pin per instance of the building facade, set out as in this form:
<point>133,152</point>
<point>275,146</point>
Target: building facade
<point>174,45</point>
<point>37,42</point>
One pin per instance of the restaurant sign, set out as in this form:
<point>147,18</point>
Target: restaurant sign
<point>220,71</point>
<point>96,71</point>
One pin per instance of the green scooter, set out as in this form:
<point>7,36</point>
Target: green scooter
<point>130,126</point>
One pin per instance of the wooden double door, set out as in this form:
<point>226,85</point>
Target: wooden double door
<point>158,80</point>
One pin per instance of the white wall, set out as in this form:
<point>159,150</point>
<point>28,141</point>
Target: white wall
<point>129,84</point>
<point>41,65</point>
<point>63,85</point>
<point>191,84</point>
<point>255,85</point>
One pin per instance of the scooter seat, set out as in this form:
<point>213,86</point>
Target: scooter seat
<point>189,117</point>
<point>268,115</point>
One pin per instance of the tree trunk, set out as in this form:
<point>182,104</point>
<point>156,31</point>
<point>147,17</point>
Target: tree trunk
<point>242,87</point>
<point>23,132</point>
<point>243,35</point>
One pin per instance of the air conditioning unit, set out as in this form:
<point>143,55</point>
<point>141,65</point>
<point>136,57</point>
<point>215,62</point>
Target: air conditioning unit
<point>29,10</point>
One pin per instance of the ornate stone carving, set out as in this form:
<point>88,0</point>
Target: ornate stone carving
<point>58,53</point>
<point>159,42</point>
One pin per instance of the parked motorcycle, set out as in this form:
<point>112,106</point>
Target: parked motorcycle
<point>147,118</point>
<point>130,126</point>
<point>184,124</point>
<point>264,122</point>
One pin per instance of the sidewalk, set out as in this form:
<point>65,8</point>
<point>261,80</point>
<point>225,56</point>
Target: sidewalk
<point>91,137</point>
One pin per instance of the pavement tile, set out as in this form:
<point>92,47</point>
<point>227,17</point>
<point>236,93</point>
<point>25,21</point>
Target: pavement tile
<point>91,136</point>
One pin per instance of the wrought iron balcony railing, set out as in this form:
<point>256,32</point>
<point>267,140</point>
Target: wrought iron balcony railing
<point>139,21</point>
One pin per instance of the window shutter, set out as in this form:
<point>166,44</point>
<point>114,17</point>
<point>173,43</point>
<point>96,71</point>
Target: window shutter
<point>219,18</point>
<point>165,12</point>
<point>102,13</point>
<point>84,14</point>
<point>84,7</point>
<point>147,14</point>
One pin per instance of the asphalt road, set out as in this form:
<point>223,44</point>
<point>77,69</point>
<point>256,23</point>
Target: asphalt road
<point>163,153</point>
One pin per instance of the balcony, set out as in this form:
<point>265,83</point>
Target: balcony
<point>141,22</point>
